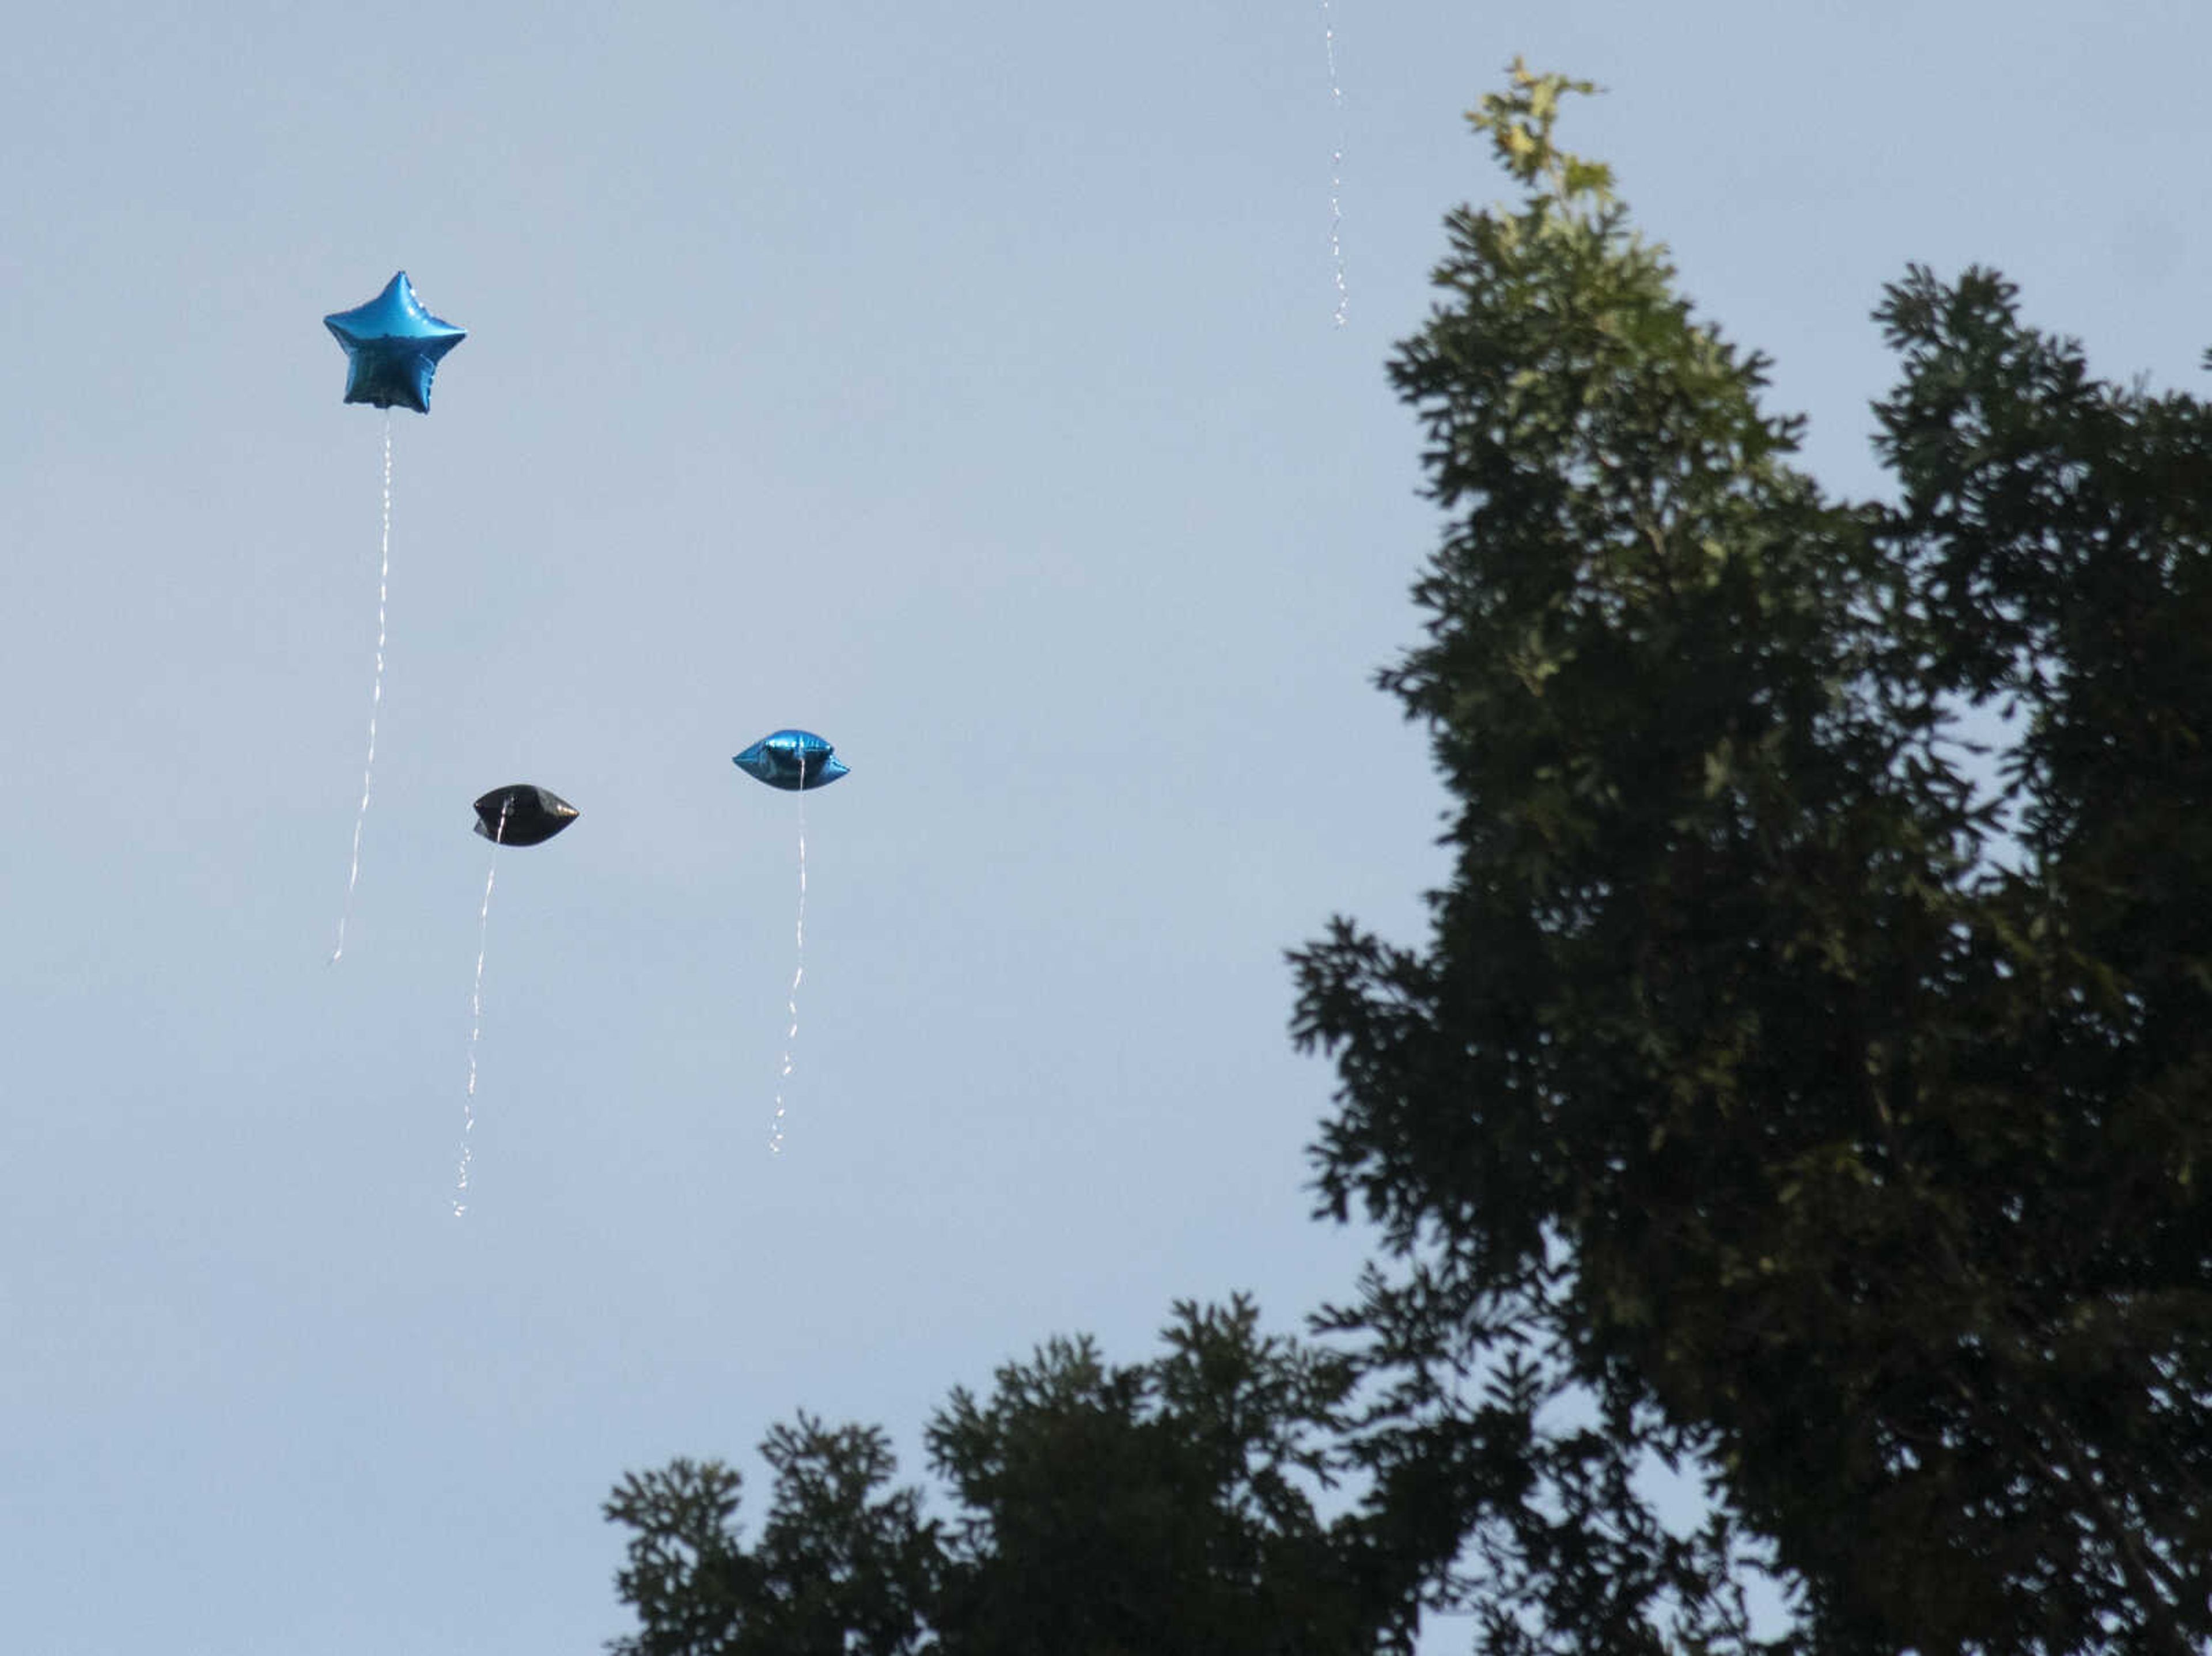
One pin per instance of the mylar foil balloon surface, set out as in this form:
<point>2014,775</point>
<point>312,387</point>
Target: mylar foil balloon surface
<point>523,815</point>
<point>392,347</point>
<point>792,760</point>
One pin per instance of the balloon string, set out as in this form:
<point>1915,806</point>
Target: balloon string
<point>791,1035</point>
<point>1335,165</point>
<point>476,1017</point>
<point>376,697</point>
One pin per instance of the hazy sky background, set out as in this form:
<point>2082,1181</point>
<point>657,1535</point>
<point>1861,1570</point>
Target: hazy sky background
<point>959,382</point>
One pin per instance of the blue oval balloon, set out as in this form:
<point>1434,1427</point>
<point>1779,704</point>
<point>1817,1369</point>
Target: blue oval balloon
<point>792,760</point>
<point>392,347</point>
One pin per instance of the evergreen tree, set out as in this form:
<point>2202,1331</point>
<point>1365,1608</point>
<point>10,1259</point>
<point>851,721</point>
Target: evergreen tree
<point>1784,1086</point>
<point>1165,1508</point>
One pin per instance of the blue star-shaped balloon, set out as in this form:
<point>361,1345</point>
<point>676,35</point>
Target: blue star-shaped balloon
<point>392,346</point>
<point>792,760</point>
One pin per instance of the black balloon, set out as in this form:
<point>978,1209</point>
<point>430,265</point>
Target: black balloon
<point>523,814</point>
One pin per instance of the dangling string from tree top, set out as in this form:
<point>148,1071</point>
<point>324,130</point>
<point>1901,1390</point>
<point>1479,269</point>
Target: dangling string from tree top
<point>1335,165</point>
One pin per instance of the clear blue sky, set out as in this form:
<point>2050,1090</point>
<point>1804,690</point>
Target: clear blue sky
<point>958,381</point>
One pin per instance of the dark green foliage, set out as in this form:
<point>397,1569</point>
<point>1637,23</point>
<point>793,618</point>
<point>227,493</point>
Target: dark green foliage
<point>1153,1510</point>
<point>1768,1093</point>
<point>843,1567</point>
